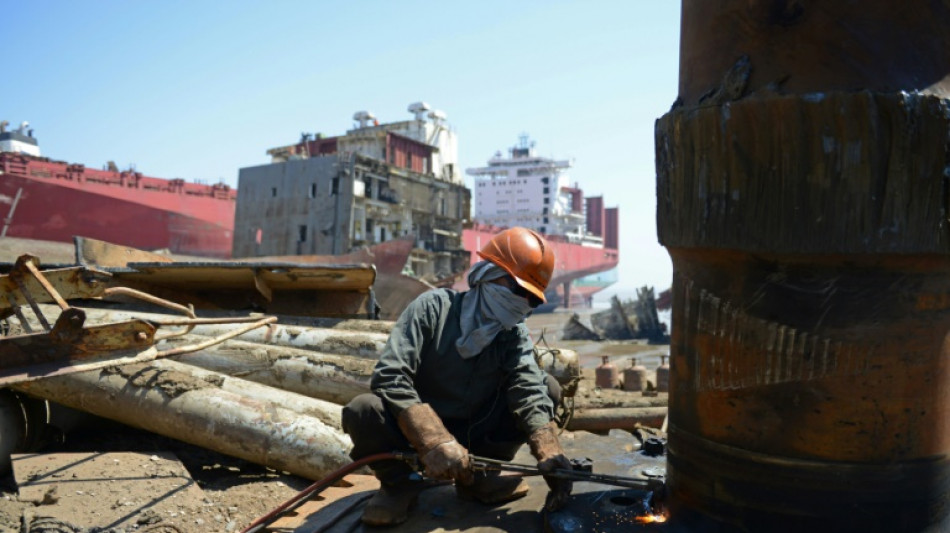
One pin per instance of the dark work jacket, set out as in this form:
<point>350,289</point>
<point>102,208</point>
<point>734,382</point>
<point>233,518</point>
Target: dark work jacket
<point>420,364</point>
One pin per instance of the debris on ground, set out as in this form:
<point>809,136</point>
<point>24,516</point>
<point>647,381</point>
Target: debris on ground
<point>632,319</point>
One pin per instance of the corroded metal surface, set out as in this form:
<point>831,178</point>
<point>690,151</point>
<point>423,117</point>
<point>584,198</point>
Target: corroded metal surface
<point>803,46</point>
<point>802,196</point>
<point>69,282</point>
<point>32,356</point>
<point>70,345</point>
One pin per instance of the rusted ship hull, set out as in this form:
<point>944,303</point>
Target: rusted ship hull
<point>54,201</point>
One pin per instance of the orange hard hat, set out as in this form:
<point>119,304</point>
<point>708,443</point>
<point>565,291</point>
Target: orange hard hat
<point>525,255</point>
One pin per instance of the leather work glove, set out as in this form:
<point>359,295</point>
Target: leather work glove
<point>547,450</point>
<point>441,455</point>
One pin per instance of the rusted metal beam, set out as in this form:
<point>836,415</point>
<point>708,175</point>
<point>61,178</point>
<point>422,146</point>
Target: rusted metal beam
<point>70,345</point>
<point>68,283</point>
<point>627,418</point>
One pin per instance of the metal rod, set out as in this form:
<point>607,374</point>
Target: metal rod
<point>33,305</point>
<point>46,285</point>
<point>482,463</point>
<point>215,340</point>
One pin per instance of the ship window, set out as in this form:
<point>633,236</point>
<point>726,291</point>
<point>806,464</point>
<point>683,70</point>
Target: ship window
<point>335,185</point>
<point>442,207</point>
<point>545,220</point>
<point>544,180</point>
<point>522,172</point>
<point>547,201</point>
<point>273,192</point>
<point>313,190</point>
<point>545,211</point>
<point>543,229</point>
<point>382,234</point>
<point>303,234</point>
<point>546,190</point>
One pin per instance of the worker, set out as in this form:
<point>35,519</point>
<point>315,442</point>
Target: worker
<point>458,377</point>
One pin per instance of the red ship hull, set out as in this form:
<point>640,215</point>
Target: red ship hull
<point>571,261</point>
<point>48,200</point>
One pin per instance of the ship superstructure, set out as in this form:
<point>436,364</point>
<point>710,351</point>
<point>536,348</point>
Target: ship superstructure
<point>525,189</point>
<point>528,190</point>
<point>377,182</point>
<point>18,141</point>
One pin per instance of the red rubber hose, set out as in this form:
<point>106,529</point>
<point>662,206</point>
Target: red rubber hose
<point>302,496</point>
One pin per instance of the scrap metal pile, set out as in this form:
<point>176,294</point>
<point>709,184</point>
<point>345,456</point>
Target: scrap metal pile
<point>632,319</point>
<point>111,342</point>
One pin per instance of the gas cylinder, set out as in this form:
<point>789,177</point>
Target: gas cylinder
<point>635,377</point>
<point>606,376</point>
<point>663,375</point>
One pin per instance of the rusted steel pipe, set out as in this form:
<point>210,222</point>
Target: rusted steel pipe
<point>330,377</point>
<point>346,342</point>
<point>628,418</point>
<point>802,183</point>
<point>280,430</point>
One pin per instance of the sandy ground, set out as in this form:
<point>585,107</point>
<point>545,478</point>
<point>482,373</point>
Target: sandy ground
<point>231,493</point>
<point>547,326</point>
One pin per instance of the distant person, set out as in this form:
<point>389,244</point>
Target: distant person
<point>458,376</point>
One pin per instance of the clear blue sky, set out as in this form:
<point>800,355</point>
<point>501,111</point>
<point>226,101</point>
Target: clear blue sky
<point>199,89</point>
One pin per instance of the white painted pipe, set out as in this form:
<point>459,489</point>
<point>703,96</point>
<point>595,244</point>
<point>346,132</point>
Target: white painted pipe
<point>330,377</point>
<point>329,340</point>
<point>276,429</point>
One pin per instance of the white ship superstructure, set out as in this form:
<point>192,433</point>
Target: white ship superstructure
<point>530,191</point>
<point>20,140</point>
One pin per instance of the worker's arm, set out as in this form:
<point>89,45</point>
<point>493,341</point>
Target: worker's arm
<point>394,381</point>
<point>533,407</point>
<point>394,376</point>
<point>526,390</point>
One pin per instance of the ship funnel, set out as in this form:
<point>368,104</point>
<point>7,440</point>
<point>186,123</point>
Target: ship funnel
<point>23,126</point>
<point>363,117</point>
<point>419,109</point>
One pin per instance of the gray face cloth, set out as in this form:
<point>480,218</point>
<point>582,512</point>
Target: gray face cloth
<point>487,309</point>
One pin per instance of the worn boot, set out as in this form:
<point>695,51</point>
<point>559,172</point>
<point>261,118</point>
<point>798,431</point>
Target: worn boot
<point>492,488</point>
<point>391,503</point>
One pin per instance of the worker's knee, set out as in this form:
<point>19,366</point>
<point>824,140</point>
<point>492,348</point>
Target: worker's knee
<point>362,413</point>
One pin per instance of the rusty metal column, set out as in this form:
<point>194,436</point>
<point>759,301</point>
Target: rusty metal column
<point>803,182</point>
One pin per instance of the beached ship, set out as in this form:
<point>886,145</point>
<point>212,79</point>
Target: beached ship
<point>525,189</point>
<point>50,200</point>
<point>332,195</point>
